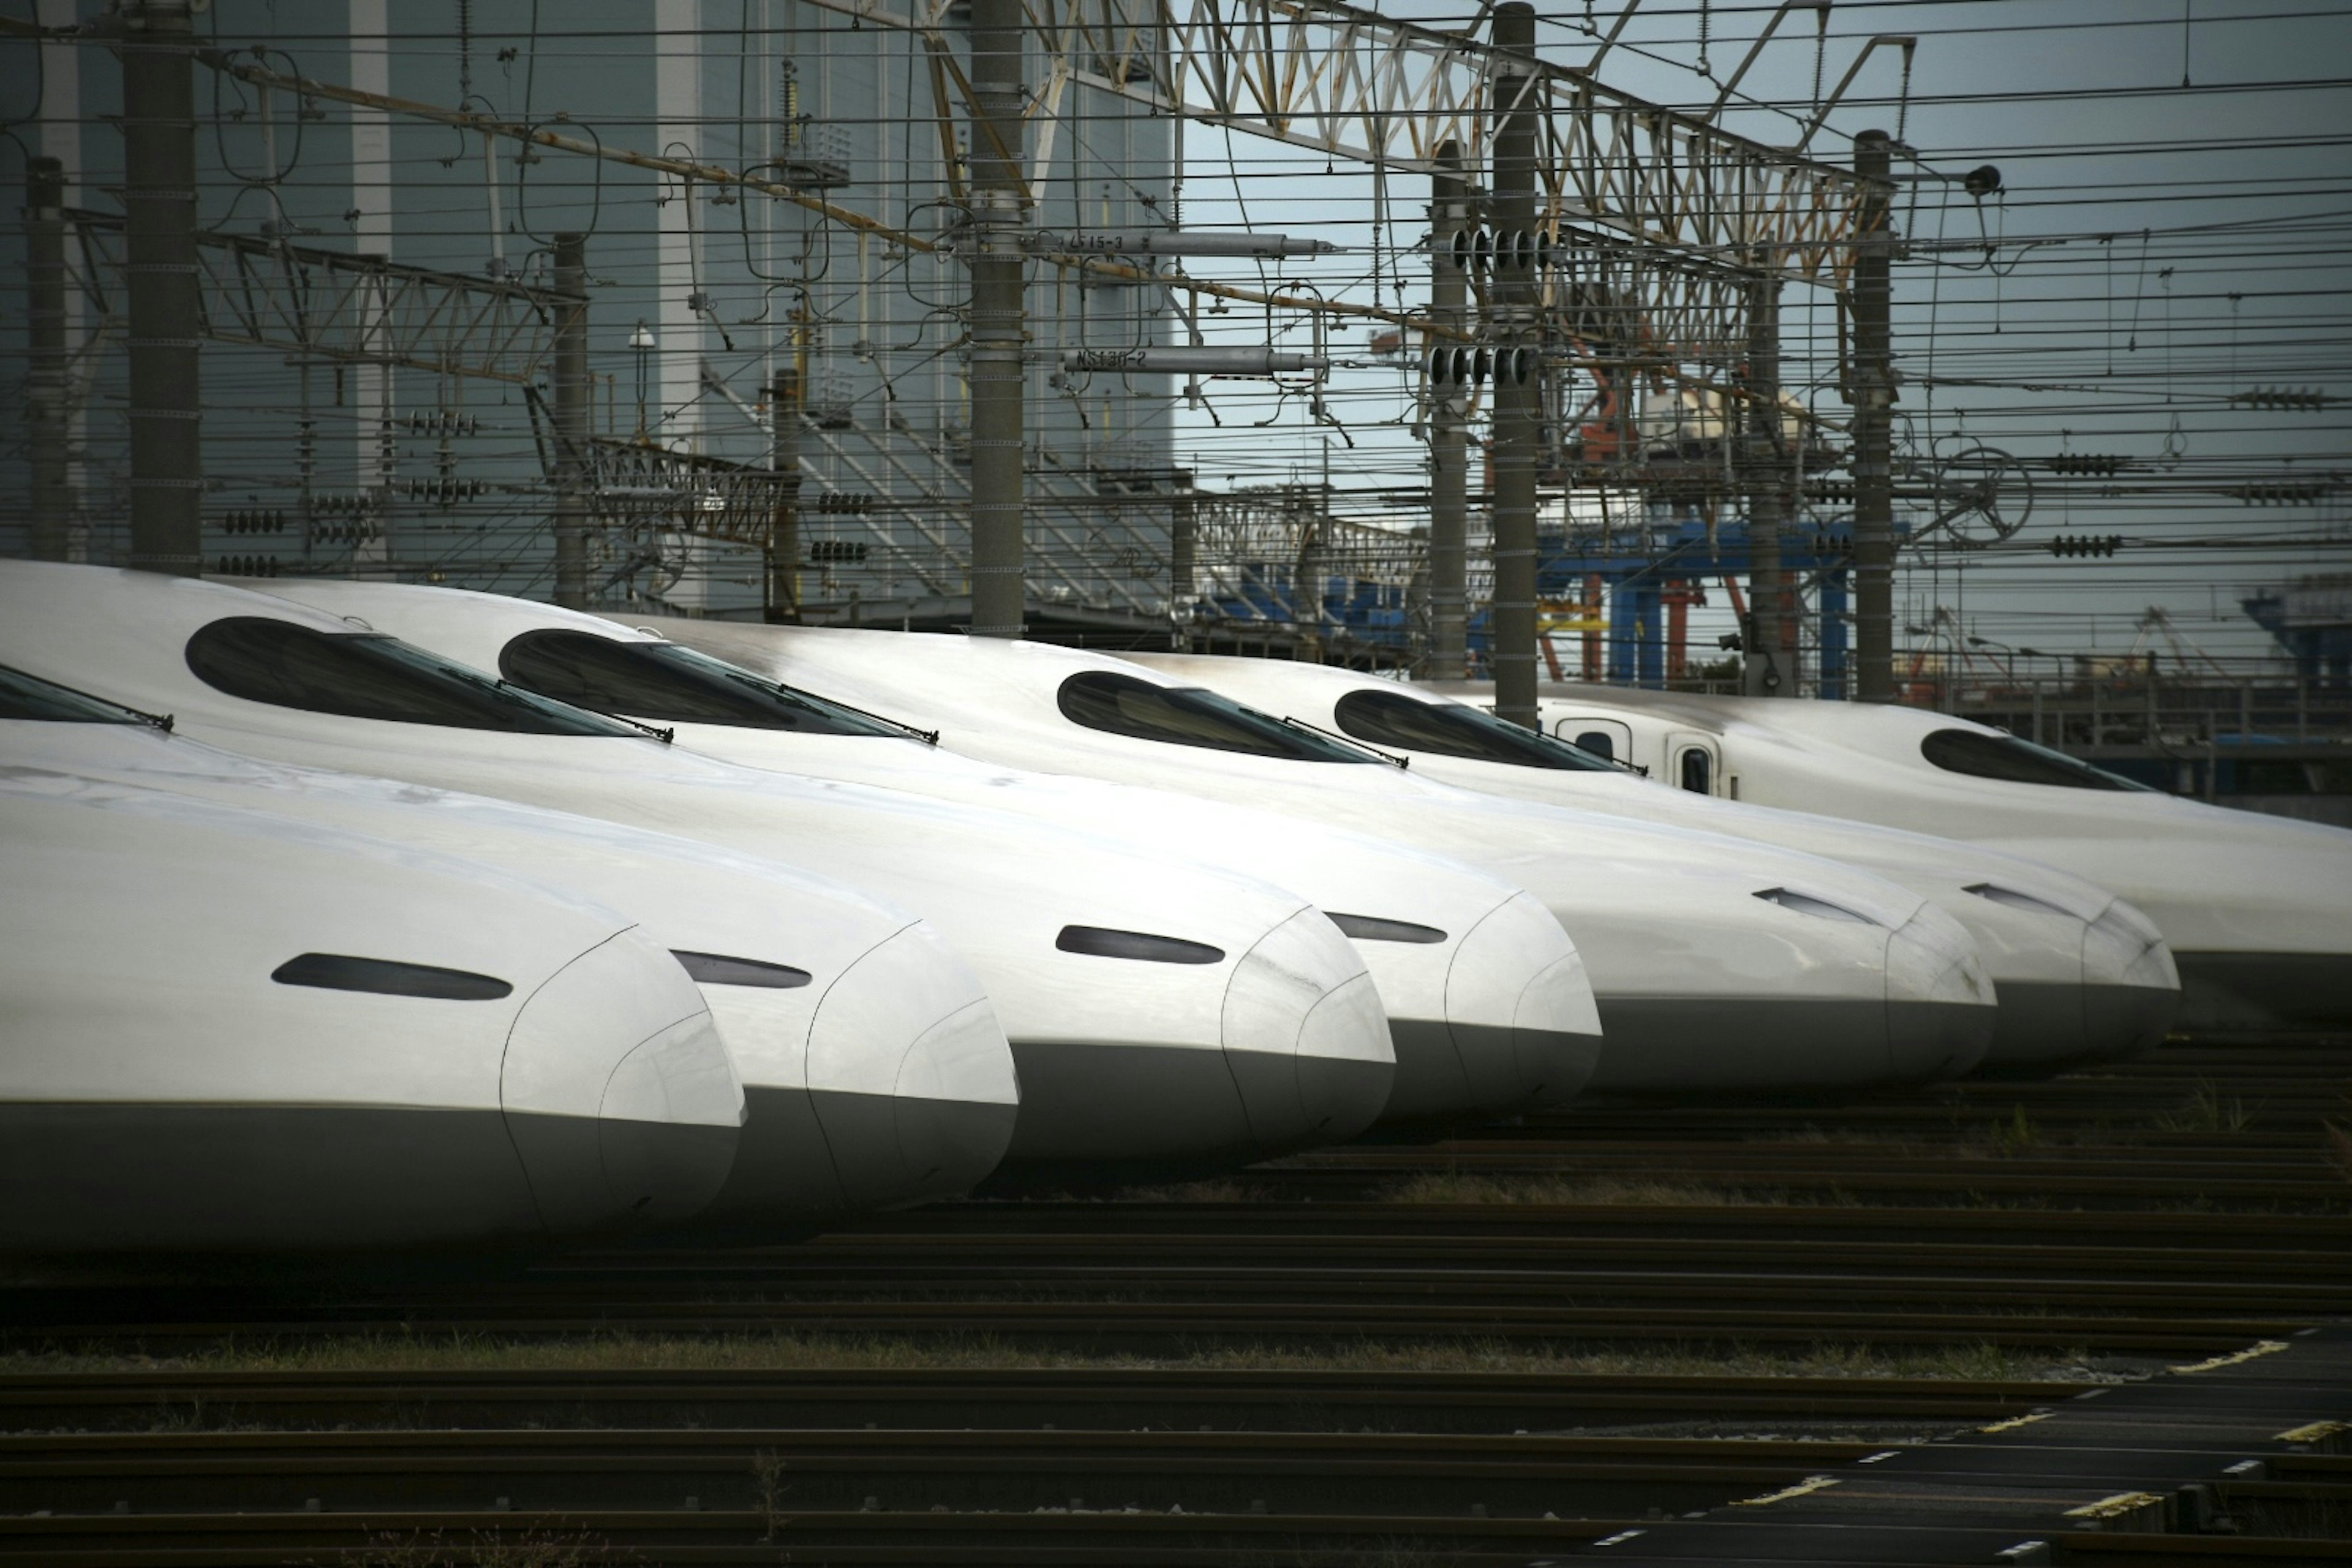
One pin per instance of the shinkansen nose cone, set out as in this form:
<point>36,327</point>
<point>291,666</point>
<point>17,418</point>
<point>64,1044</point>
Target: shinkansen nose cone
<point>2131,987</point>
<point>1305,1037</point>
<point>910,1076</point>
<point>618,1093</point>
<point>1940,1010</point>
<point>1838,1000</point>
<point>1520,1009</point>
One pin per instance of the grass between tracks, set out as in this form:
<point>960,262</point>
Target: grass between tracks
<point>440,1352</point>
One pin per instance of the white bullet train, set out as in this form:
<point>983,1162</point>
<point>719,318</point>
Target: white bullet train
<point>1160,1014</point>
<point>2080,975</point>
<point>874,1072</point>
<point>230,1030</point>
<point>1718,964</point>
<point>2257,910</point>
<point>1489,1010</point>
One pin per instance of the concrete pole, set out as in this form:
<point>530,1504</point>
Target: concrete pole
<point>1761,672</point>
<point>1872,394</point>
<point>780,601</point>
<point>573,396</point>
<point>46,414</point>
<point>1511,212</point>
<point>1184,556</point>
<point>994,259</point>
<point>159,199</point>
<point>1451,211</point>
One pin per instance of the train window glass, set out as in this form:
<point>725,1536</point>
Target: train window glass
<point>662,681</point>
<point>1697,770</point>
<point>366,675</point>
<point>1454,729</point>
<point>1600,743</point>
<point>2018,762</point>
<point>26,695</point>
<point>1191,716</point>
<point>718,969</point>
<point>388,977</point>
<point>1101,941</point>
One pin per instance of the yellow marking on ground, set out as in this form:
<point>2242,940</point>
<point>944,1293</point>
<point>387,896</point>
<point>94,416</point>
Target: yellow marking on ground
<point>2116,1506</point>
<point>1810,1484</point>
<point>2014,1422</point>
<point>2260,1348</point>
<point>2317,1432</point>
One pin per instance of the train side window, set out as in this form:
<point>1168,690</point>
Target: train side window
<point>1599,743</point>
<point>1697,770</point>
<point>366,675</point>
<point>2014,761</point>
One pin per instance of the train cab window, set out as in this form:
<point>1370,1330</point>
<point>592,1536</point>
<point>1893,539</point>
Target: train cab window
<point>26,695</point>
<point>1695,770</point>
<point>664,682</point>
<point>1454,730</point>
<point>366,675</point>
<point>1600,743</point>
<point>1191,716</point>
<point>2017,762</point>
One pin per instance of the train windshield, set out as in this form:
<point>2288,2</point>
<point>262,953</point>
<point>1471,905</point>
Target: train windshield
<point>366,675</point>
<point>1454,729</point>
<point>26,695</point>
<point>662,681</point>
<point>1192,716</point>
<point>2018,762</point>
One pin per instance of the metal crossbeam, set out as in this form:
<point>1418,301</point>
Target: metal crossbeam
<point>1350,83</point>
<point>362,310</point>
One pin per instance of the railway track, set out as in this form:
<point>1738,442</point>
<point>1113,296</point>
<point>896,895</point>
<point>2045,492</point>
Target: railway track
<point>2187,1212</point>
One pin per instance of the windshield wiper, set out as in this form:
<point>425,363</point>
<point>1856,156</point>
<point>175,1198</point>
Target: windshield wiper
<point>665,737</point>
<point>1391,758</point>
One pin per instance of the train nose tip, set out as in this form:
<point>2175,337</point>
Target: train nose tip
<point>1521,1008</point>
<point>911,1075</point>
<point>2131,988</point>
<point>619,1093</point>
<point>1940,1011</point>
<point>1306,1038</point>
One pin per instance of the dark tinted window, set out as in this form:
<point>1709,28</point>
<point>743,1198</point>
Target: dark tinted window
<point>26,695</point>
<point>388,977</point>
<point>1191,716</point>
<point>1452,730</point>
<point>1697,769</point>
<point>1101,941</point>
<point>663,681</point>
<point>718,969</point>
<point>2019,762</point>
<point>1600,743</point>
<point>364,675</point>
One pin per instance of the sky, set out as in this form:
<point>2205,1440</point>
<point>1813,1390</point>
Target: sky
<point>2157,249</point>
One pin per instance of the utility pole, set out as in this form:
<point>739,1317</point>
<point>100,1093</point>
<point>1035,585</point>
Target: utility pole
<point>574,395</point>
<point>1450,214</point>
<point>1184,556</point>
<point>992,252</point>
<point>1872,393</point>
<point>1517,386</point>
<point>45,359</point>
<point>159,199</point>
<point>1760,671</point>
<point>780,599</point>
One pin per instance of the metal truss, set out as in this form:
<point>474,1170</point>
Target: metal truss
<point>360,309</point>
<point>1350,83</point>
